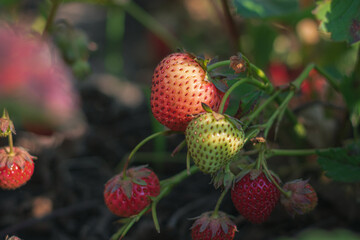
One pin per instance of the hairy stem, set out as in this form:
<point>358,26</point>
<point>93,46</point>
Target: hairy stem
<point>167,132</point>
<point>216,210</point>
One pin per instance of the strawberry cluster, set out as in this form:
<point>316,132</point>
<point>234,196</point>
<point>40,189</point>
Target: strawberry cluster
<point>184,98</point>
<point>16,164</point>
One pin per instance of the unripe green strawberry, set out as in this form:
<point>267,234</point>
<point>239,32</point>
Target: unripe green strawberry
<point>129,195</point>
<point>15,168</point>
<point>213,140</point>
<point>179,86</point>
<point>254,196</point>
<point>303,198</point>
<point>209,227</point>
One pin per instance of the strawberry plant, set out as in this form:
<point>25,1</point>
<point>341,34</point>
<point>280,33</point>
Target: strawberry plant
<point>242,120</point>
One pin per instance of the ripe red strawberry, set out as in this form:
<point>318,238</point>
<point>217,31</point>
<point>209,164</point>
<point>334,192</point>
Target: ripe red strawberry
<point>213,140</point>
<point>254,196</point>
<point>128,196</point>
<point>208,227</point>
<point>179,86</point>
<point>15,169</point>
<point>303,197</point>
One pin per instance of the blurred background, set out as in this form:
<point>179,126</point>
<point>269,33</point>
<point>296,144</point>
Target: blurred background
<point>85,106</point>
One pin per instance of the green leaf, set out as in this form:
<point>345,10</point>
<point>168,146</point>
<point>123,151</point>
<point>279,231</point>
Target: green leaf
<point>265,8</point>
<point>341,164</point>
<point>340,18</point>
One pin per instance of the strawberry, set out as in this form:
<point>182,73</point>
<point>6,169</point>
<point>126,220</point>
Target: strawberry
<point>129,195</point>
<point>12,238</point>
<point>15,168</point>
<point>213,140</point>
<point>303,197</point>
<point>254,196</point>
<point>179,86</point>
<point>209,227</point>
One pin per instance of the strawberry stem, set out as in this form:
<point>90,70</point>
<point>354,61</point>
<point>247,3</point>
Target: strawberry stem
<point>268,173</point>
<point>154,216</point>
<point>294,152</point>
<point>218,64</point>
<point>216,210</point>
<point>167,132</point>
<point>261,107</point>
<point>235,85</point>
<point>10,137</point>
<point>49,22</point>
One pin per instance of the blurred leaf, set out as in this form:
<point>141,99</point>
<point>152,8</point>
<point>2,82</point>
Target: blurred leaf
<point>340,18</point>
<point>265,8</point>
<point>342,164</point>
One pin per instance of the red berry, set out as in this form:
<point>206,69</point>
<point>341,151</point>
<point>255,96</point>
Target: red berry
<point>128,196</point>
<point>303,197</point>
<point>179,86</point>
<point>15,168</point>
<point>208,227</point>
<point>254,196</point>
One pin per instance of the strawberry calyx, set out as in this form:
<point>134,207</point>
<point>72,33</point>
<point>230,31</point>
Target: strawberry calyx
<point>18,156</point>
<point>6,125</point>
<point>214,222</point>
<point>132,176</point>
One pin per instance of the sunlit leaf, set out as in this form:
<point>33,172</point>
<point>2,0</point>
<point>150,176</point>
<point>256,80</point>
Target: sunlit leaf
<point>340,18</point>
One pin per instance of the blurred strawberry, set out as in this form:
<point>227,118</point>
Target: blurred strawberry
<point>34,81</point>
<point>278,74</point>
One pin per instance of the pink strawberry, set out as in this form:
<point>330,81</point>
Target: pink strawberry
<point>129,195</point>
<point>254,196</point>
<point>209,227</point>
<point>303,197</point>
<point>179,86</point>
<point>15,168</point>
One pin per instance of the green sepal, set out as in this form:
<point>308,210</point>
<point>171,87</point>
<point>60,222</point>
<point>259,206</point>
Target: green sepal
<point>206,107</point>
<point>139,181</point>
<point>235,122</point>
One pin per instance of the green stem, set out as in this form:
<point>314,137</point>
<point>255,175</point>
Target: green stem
<point>261,107</point>
<point>49,22</point>
<point>150,22</point>
<point>264,165</point>
<point>294,152</point>
<point>331,80</point>
<point>251,135</point>
<point>216,210</point>
<point>251,81</point>
<point>167,132</point>
<point>178,148</point>
<point>11,145</point>
<point>229,91</point>
<point>218,64</point>
<point>154,215</point>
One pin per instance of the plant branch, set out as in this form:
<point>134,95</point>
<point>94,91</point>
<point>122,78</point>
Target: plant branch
<point>294,152</point>
<point>216,210</point>
<point>167,132</point>
<point>49,22</point>
<point>332,81</point>
<point>230,23</point>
